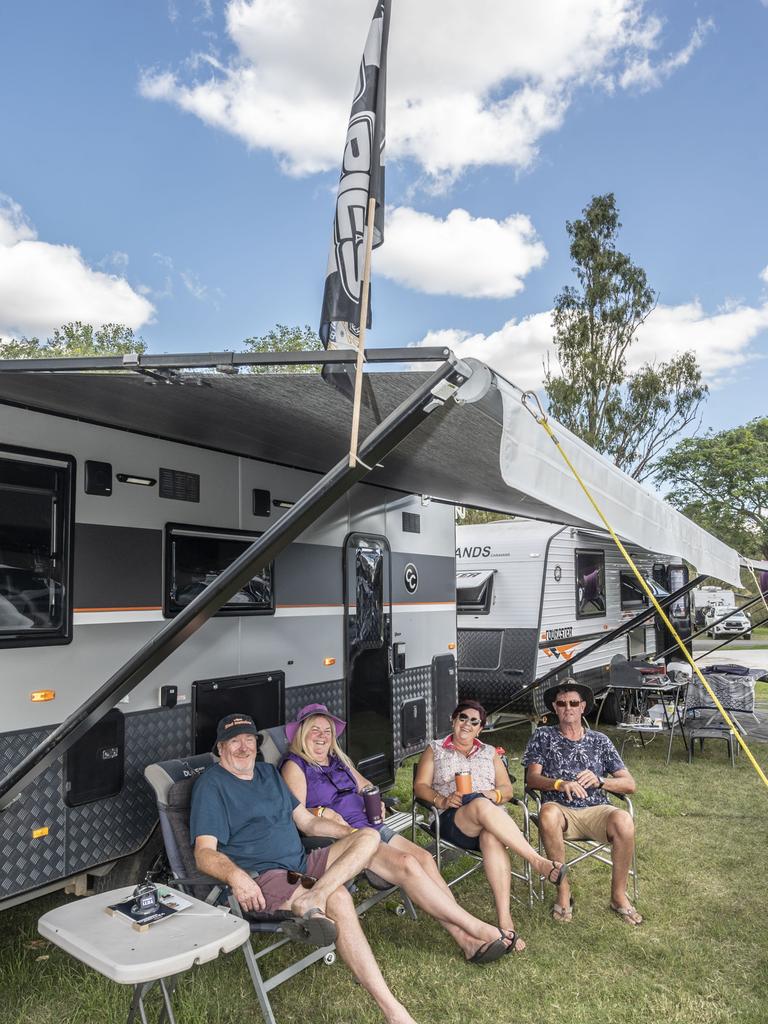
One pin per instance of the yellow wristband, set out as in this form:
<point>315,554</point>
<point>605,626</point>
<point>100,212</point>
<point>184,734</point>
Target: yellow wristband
<point>498,795</point>
<point>558,784</point>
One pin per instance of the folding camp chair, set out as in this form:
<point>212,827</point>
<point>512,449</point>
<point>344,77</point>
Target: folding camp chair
<point>582,849</point>
<point>441,846</point>
<point>172,783</point>
<point>734,687</point>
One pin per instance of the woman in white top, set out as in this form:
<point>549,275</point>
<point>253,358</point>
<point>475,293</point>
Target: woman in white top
<point>478,821</point>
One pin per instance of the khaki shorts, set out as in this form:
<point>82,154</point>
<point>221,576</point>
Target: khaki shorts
<point>587,822</point>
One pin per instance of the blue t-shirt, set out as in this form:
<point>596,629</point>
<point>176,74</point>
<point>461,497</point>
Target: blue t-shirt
<point>251,818</point>
<point>561,758</point>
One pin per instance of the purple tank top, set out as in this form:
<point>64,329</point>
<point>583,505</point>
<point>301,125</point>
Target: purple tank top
<point>334,786</point>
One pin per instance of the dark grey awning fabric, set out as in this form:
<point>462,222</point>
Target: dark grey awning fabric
<point>292,419</point>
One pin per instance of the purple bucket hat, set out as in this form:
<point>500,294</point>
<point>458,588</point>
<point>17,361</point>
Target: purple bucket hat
<point>291,728</point>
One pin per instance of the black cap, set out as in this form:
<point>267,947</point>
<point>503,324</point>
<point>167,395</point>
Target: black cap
<point>234,725</point>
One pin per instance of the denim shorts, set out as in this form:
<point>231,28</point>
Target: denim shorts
<point>453,834</point>
<point>386,833</point>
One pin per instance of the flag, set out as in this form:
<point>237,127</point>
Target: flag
<point>362,178</point>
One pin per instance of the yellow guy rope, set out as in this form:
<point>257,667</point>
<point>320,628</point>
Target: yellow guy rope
<point>760,592</point>
<point>541,419</point>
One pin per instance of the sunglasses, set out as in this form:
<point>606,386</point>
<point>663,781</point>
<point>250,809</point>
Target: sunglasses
<point>568,703</point>
<point>307,881</point>
<point>349,787</point>
<point>465,718</point>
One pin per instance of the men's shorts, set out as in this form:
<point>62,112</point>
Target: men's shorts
<point>587,822</point>
<point>274,883</point>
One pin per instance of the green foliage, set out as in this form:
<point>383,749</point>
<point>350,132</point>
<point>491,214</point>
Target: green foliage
<point>629,416</point>
<point>285,339</point>
<point>477,516</point>
<point>75,339</point>
<point>721,482</point>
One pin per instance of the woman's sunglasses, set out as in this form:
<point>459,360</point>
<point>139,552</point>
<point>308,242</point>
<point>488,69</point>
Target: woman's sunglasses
<point>341,790</point>
<point>307,881</point>
<point>567,703</point>
<point>465,718</point>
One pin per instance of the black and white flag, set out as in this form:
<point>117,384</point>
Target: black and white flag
<point>362,178</point>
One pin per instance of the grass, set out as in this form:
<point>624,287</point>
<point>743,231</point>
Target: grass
<point>700,957</point>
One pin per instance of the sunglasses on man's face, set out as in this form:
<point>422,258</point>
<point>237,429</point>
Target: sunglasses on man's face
<point>307,881</point>
<point>465,718</point>
<point>568,703</point>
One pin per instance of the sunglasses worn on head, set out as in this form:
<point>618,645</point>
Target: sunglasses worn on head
<point>465,718</point>
<point>568,703</point>
<point>307,881</point>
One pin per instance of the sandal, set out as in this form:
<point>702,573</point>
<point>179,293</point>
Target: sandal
<point>563,915</point>
<point>491,951</point>
<point>512,948</point>
<point>628,914</point>
<point>558,872</point>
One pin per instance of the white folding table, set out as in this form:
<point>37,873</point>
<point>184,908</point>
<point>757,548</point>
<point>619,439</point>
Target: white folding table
<point>111,946</point>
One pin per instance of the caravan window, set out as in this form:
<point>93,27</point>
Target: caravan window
<point>35,546</point>
<point>195,556</point>
<point>590,584</point>
<point>632,594</point>
<point>474,592</point>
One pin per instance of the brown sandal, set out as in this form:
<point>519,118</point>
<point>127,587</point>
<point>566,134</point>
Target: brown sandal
<point>628,914</point>
<point>563,915</point>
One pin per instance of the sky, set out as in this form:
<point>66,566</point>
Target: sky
<point>172,165</point>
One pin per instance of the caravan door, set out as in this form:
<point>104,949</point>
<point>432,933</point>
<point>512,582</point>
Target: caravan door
<point>368,619</point>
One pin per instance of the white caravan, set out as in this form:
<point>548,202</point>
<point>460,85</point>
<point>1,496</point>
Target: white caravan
<point>532,595</point>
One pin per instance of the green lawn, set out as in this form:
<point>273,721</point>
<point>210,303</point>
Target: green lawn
<point>699,959</point>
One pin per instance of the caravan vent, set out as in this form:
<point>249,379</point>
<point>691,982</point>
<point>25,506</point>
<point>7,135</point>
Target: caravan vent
<point>411,522</point>
<point>179,486</point>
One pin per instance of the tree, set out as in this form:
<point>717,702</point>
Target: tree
<point>75,339</point>
<point>286,339</point>
<point>721,482</point>
<point>631,417</point>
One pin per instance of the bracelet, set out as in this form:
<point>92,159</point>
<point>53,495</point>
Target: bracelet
<point>558,785</point>
<point>318,811</point>
<point>498,795</point>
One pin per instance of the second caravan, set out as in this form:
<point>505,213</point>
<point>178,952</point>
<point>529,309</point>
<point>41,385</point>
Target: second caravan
<point>531,595</point>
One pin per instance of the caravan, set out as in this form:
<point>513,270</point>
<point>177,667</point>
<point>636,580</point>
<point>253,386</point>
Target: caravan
<point>531,596</point>
<point>179,539</point>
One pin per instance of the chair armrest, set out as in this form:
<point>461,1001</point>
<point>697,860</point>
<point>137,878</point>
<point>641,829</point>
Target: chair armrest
<point>390,802</point>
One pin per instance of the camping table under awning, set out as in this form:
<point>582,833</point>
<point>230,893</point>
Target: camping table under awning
<point>485,452</point>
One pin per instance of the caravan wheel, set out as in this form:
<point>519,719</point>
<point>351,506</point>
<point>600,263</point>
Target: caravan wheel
<point>149,860</point>
<point>615,707</point>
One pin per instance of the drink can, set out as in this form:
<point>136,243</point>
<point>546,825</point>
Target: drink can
<point>372,800</point>
<point>463,782</point>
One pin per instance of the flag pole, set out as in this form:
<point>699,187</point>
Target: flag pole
<point>361,340</point>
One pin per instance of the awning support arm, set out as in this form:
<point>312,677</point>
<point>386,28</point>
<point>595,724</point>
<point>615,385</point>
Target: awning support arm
<point>386,437</point>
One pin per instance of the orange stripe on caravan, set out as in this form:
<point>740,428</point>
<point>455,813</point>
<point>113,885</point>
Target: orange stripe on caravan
<point>137,608</point>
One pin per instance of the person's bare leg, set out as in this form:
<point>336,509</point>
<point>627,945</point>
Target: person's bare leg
<point>552,829</point>
<point>357,955</point>
<point>621,833</point>
<point>498,871</point>
<point>425,859</point>
<point>404,870</point>
<point>481,815</point>
<point>346,859</point>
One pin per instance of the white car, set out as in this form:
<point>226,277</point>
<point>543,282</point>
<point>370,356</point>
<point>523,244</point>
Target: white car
<point>736,623</point>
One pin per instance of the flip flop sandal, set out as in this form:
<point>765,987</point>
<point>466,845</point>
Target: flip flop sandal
<point>312,928</point>
<point>491,951</point>
<point>563,915</point>
<point>628,914</point>
<point>559,873</point>
<point>513,947</point>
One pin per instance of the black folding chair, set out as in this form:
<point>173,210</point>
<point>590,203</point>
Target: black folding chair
<point>172,783</point>
<point>431,827</point>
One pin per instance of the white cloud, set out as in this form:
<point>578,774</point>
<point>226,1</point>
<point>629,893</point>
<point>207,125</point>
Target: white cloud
<point>476,257</point>
<point>643,75</point>
<point>764,271</point>
<point>469,83</point>
<point>43,286</point>
<point>722,342</point>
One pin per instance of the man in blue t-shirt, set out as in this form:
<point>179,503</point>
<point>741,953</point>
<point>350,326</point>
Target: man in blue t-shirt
<point>573,768</point>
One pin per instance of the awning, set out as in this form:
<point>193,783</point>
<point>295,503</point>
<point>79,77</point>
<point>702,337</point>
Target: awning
<point>487,452</point>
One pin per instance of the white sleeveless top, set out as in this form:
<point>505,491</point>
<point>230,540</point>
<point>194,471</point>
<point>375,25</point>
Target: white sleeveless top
<point>448,761</point>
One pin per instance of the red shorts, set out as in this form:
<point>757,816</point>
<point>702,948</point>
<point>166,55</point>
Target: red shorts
<point>276,888</point>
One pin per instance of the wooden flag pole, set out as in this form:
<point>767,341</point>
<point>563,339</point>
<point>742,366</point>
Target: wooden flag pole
<point>361,340</point>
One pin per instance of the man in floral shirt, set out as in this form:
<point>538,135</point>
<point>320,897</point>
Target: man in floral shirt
<point>573,768</point>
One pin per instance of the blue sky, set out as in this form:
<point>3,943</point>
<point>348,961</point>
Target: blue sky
<point>172,165</point>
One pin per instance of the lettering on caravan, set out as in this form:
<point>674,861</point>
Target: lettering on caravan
<point>475,552</point>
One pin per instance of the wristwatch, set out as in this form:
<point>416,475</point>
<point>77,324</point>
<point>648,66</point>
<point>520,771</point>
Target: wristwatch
<point>600,781</point>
